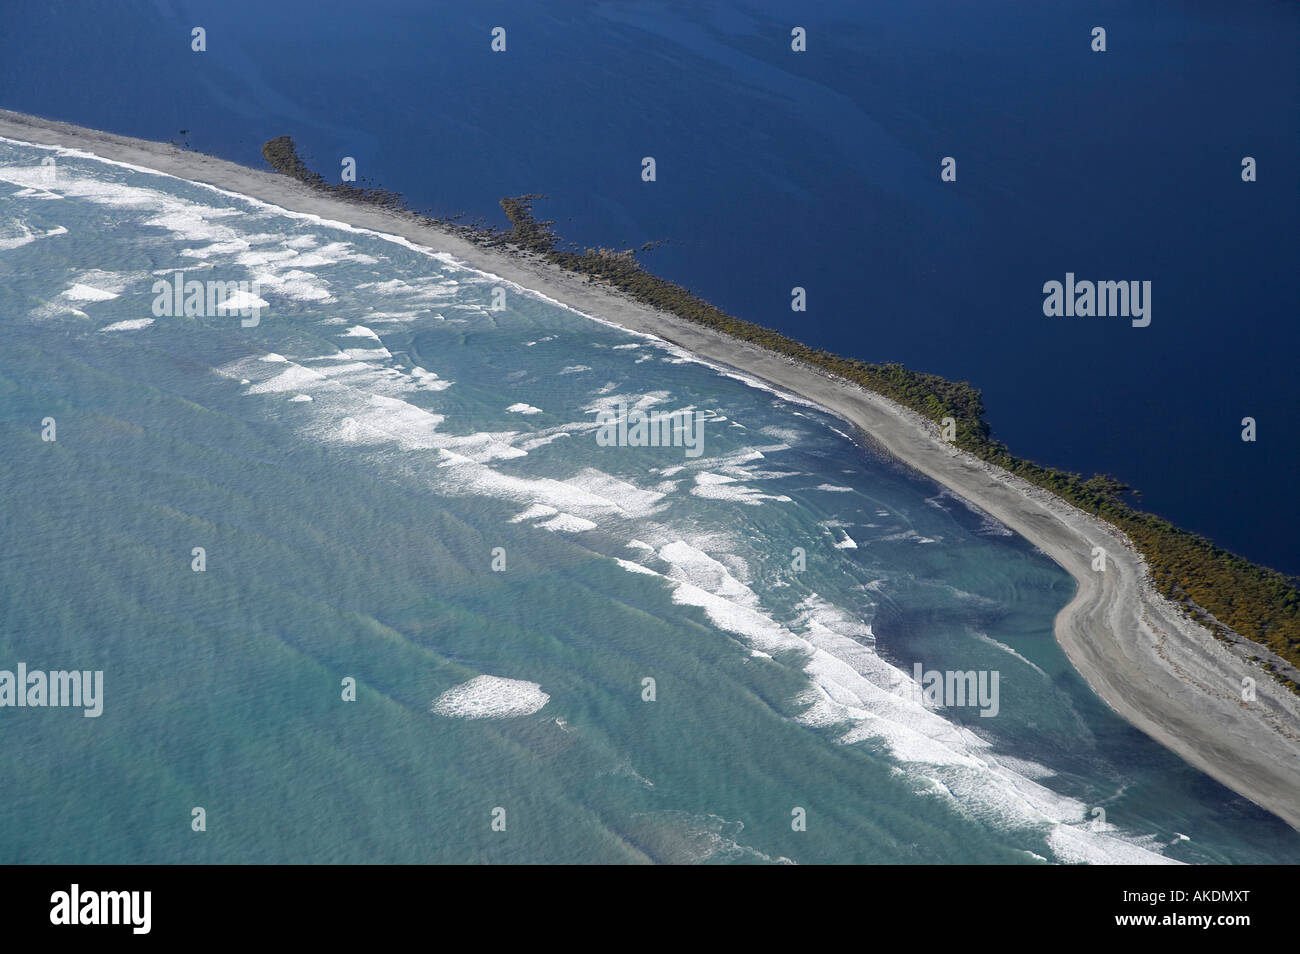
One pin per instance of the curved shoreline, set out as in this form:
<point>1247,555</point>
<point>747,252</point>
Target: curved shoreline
<point>1161,672</point>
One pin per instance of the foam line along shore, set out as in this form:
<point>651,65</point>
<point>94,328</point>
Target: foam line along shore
<point>1163,673</point>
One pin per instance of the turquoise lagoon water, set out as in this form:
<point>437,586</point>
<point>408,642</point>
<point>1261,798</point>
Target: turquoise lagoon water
<point>353,467</point>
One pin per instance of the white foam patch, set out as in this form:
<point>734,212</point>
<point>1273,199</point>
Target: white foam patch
<point>252,259</point>
<point>241,299</point>
<point>636,567</point>
<point>832,489</point>
<point>523,409</point>
<point>848,543</point>
<point>568,523</point>
<point>296,284</point>
<point>295,378</point>
<point>54,308</point>
<point>359,354</point>
<point>536,511</point>
<point>609,403</point>
<point>694,566</point>
<point>491,697</point>
<point>79,292</point>
<point>35,194</point>
<point>428,380</point>
<point>415,290</point>
<point>466,476</point>
<point>721,487</point>
<point>630,500</point>
<point>535,442</point>
<point>230,247</point>
<point>98,285</point>
<point>332,254</point>
<point>19,234</point>
<point>1073,844</point>
<point>710,479</point>
<point>131,324</point>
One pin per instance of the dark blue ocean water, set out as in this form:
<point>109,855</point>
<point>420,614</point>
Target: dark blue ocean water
<point>821,169</point>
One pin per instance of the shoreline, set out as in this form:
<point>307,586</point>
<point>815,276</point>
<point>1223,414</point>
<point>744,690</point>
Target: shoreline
<point>1164,674</point>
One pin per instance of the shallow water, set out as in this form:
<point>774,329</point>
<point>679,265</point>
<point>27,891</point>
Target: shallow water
<point>354,467</point>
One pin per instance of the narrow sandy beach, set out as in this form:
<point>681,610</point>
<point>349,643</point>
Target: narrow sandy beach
<point>1165,675</point>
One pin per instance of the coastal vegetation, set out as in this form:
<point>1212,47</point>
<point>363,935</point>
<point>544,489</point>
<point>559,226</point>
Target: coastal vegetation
<point>283,157</point>
<point>1229,595</point>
